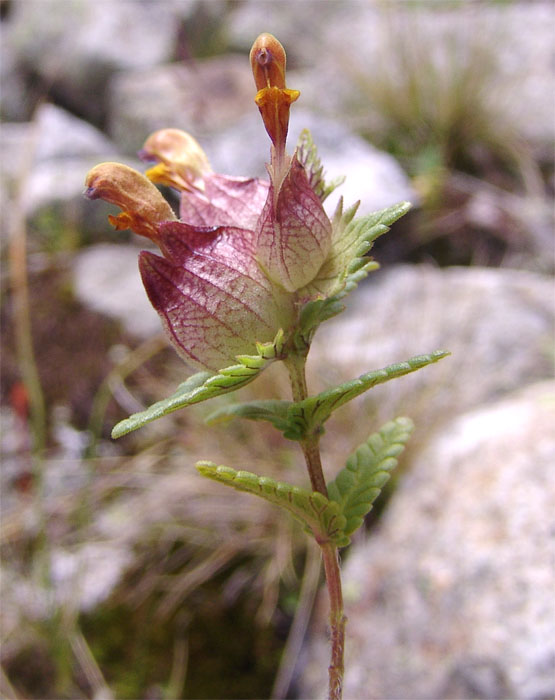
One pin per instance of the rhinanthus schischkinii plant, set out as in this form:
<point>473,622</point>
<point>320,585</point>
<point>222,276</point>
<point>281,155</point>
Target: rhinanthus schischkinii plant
<point>248,272</point>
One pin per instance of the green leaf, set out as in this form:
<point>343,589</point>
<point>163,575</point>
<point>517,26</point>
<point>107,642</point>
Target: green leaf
<point>320,517</point>
<point>358,485</point>
<point>307,156</point>
<point>274,411</point>
<point>307,417</point>
<point>204,386</point>
<point>345,266</point>
<point>352,241</point>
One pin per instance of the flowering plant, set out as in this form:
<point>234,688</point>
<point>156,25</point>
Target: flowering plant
<point>248,271</point>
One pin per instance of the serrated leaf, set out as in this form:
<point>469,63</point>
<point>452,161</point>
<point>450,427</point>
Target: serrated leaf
<point>346,264</point>
<point>307,155</point>
<point>320,517</point>
<point>204,386</point>
<point>309,415</point>
<point>313,313</point>
<point>358,485</point>
<point>352,240</point>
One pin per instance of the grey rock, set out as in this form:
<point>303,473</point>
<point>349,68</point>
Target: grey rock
<point>80,578</point>
<point>87,575</point>
<point>498,324</point>
<point>75,46</point>
<point>453,595</point>
<point>106,279</point>
<point>44,167</point>
<point>61,135</point>
<point>50,155</point>
<point>200,97</point>
<point>338,43</point>
<point>15,103</point>
<point>63,149</point>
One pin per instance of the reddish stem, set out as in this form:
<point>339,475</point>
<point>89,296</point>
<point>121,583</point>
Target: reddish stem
<point>311,451</point>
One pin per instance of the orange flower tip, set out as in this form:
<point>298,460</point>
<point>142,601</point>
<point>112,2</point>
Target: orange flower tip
<point>268,61</point>
<point>276,96</point>
<point>158,174</point>
<point>142,205</point>
<point>122,221</point>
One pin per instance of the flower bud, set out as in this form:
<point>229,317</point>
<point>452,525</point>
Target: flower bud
<point>267,58</point>
<point>181,161</point>
<point>273,98</point>
<point>143,207</point>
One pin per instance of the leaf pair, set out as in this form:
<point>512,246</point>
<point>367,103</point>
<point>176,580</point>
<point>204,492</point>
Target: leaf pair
<point>350,495</point>
<point>300,420</point>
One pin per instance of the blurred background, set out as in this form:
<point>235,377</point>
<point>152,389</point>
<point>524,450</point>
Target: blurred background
<point>124,575</point>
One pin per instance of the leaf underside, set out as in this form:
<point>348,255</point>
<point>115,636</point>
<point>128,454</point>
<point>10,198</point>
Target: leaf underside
<point>206,385</point>
<point>321,517</point>
<point>297,420</point>
<point>358,485</point>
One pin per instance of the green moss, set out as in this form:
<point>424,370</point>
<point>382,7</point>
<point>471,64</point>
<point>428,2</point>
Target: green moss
<point>229,656</point>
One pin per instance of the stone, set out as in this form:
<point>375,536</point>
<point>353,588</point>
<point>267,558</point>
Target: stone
<point>200,98</point>
<point>452,596</point>
<point>350,43</point>
<point>498,324</point>
<point>15,99</point>
<point>106,279</point>
<point>74,47</point>
<point>45,162</point>
<point>61,135</point>
<point>62,150</point>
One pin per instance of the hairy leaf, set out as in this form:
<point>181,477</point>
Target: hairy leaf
<point>308,416</point>
<point>358,485</point>
<point>320,517</point>
<point>346,264</point>
<point>204,386</point>
<point>307,156</point>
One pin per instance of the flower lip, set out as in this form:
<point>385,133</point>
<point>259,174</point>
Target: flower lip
<point>142,205</point>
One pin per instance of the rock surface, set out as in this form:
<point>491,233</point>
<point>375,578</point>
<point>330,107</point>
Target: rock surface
<point>62,149</point>
<point>107,280</point>
<point>497,323</point>
<point>453,596</point>
<point>73,47</point>
<point>44,166</point>
<point>515,40</point>
<point>202,97</point>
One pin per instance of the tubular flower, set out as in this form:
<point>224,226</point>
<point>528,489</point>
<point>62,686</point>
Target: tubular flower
<point>235,263</point>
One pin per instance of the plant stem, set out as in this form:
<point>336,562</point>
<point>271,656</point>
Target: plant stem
<point>310,445</point>
<point>337,621</point>
<point>311,450</point>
